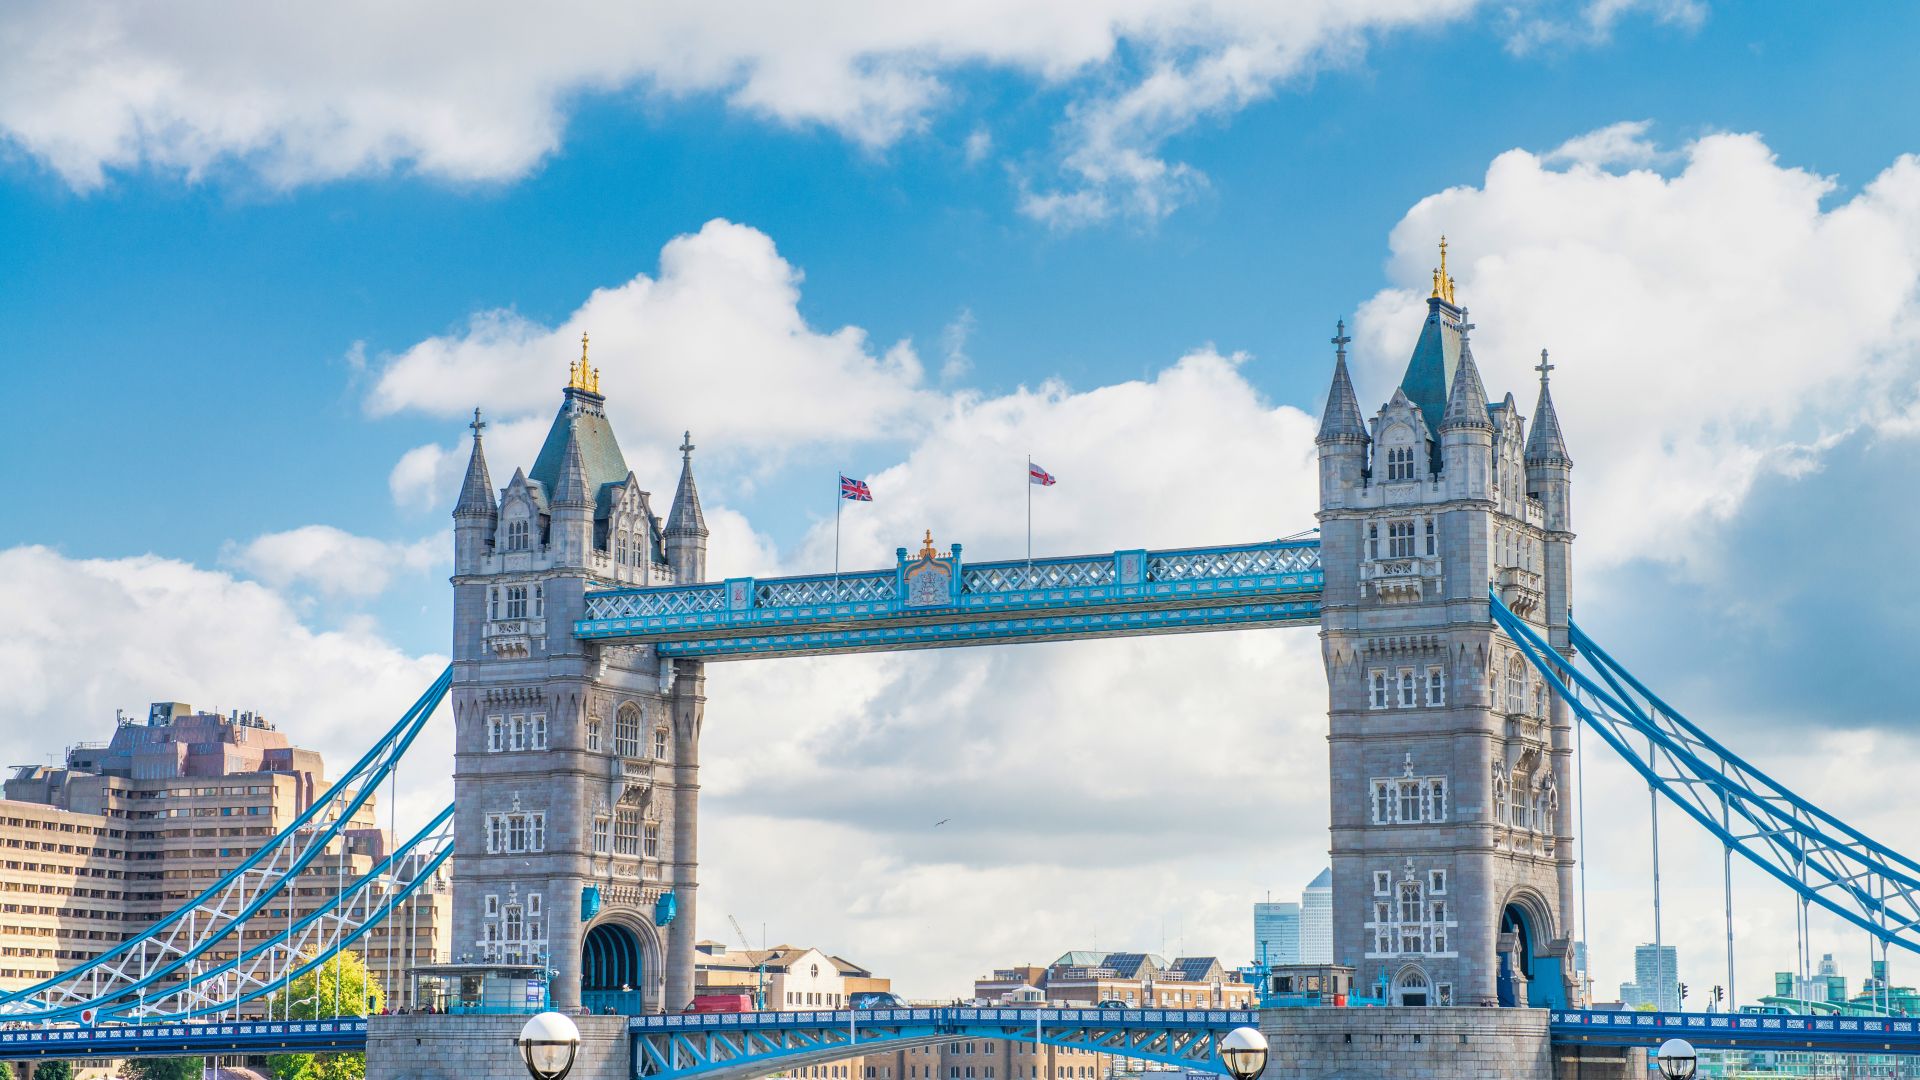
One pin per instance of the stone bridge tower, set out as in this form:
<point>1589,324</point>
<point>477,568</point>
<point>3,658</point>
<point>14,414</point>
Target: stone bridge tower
<point>1452,835</point>
<point>576,765</point>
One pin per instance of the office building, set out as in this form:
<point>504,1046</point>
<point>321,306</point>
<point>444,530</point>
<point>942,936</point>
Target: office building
<point>1276,932</point>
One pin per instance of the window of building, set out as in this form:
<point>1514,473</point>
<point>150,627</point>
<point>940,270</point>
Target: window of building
<point>650,833</point>
<point>1433,542</point>
<point>1409,800</point>
<point>626,831</point>
<point>660,744</point>
<point>1442,993</point>
<point>537,731</point>
<point>516,832</point>
<point>1400,540</point>
<point>495,742</point>
<point>626,731</point>
<point>1436,686</point>
<point>1436,881</point>
<point>602,830</point>
<point>593,734</point>
<point>1373,540</point>
<point>517,535</point>
<point>1377,689</point>
<point>516,733</point>
<point>1409,689</point>
<point>1382,882</point>
<point>516,601</point>
<point>1516,685</point>
<point>1400,463</point>
<point>493,906</point>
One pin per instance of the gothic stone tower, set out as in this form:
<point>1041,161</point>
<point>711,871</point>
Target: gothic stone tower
<point>1452,850</point>
<point>576,766</point>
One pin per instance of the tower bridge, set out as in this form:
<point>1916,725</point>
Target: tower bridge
<point>1438,577</point>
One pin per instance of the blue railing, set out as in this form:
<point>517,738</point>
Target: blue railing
<point>1249,583</point>
<point>1742,1030</point>
<point>162,1040</point>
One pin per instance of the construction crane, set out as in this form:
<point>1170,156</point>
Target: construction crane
<point>760,972</point>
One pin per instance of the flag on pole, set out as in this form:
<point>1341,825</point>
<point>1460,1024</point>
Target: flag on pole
<point>857,490</point>
<point>1038,475</point>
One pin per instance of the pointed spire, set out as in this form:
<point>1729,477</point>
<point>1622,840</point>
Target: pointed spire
<point>476,491</point>
<point>1545,443</point>
<point>1341,422</point>
<point>1467,400</point>
<point>685,518</point>
<point>571,489</point>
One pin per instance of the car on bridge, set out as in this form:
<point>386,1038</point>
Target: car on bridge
<point>876,999</point>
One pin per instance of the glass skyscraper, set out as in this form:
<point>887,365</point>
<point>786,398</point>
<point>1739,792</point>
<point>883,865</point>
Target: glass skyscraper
<point>1276,932</point>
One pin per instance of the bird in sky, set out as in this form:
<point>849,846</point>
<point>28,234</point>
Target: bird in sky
<point>941,822</point>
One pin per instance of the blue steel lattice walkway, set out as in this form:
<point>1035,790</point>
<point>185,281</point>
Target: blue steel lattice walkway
<point>734,1046</point>
<point>1741,1031</point>
<point>186,1040</point>
<point>936,600</point>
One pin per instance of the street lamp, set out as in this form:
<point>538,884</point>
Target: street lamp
<point>1244,1052</point>
<point>1675,1058</point>
<point>548,1044</point>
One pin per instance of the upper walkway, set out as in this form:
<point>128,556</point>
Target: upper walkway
<point>936,599</point>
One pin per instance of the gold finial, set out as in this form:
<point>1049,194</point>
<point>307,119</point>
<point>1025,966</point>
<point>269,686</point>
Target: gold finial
<point>581,375</point>
<point>1442,281</point>
<point>929,552</point>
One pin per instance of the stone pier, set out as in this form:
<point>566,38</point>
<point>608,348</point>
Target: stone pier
<point>440,1047</point>
<point>1432,1044</point>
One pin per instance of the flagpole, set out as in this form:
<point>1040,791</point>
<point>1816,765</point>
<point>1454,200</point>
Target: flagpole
<point>1029,520</point>
<point>838,498</point>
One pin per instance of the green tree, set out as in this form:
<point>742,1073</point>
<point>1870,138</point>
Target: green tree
<point>6,1071</point>
<point>344,980</point>
<point>173,1068</point>
<point>53,1070</point>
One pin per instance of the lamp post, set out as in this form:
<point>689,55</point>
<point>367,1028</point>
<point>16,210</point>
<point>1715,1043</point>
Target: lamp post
<point>548,1044</point>
<point>1244,1052</point>
<point>1676,1059</point>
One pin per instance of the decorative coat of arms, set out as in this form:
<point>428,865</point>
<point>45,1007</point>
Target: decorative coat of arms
<point>929,578</point>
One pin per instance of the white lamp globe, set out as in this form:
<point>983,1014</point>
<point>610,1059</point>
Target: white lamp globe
<point>548,1044</point>
<point>1675,1059</point>
<point>1244,1052</point>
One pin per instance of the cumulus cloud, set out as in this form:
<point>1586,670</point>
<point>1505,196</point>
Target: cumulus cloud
<point>333,561</point>
<point>120,633</point>
<point>1708,326</point>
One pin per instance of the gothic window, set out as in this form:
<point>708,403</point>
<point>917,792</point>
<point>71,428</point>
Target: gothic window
<point>1377,689</point>
<point>516,832</point>
<point>493,603</point>
<point>1516,685</point>
<point>602,829</point>
<point>1436,802</point>
<point>496,833</point>
<point>1409,800</point>
<point>1382,802</point>
<point>539,602</point>
<point>650,833</point>
<point>1373,540</point>
<point>1433,545</point>
<point>515,929</point>
<point>620,548</point>
<point>1400,540</point>
<point>660,744</point>
<point>626,831</point>
<point>537,731</point>
<point>517,535</point>
<point>516,601</point>
<point>516,733</point>
<point>1436,881</point>
<point>1540,700</point>
<point>533,909</point>
<point>626,731</point>
<point>1382,882</point>
<point>494,739</point>
<point>493,906</point>
<point>1400,463</point>
<point>593,734</point>
<point>1409,696</point>
<point>1436,686</point>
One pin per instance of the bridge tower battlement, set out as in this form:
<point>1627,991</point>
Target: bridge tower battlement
<point>576,763</point>
<point>1451,819</point>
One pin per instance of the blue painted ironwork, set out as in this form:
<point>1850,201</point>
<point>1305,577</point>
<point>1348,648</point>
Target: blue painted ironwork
<point>1815,854</point>
<point>168,950</point>
<point>169,1040</point>
<point>1740,1031</point>
<point>938,600</point>
<point>733,1046</point>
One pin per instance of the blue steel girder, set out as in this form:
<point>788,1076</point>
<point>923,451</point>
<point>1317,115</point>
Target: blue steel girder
<point>176,1040</point>
<point>1740,1031</point>
<point>735,1046</point>
<point>938,600</point>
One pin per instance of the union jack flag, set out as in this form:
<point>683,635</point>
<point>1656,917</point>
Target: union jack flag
<point>1038,475</point>
<point>855,490</point>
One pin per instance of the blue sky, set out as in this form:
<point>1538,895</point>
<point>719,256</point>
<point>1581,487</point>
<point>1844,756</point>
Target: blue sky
<point>238,301</point>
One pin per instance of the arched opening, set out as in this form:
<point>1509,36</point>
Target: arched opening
<point>612,976</point>
<point>1411,988</point>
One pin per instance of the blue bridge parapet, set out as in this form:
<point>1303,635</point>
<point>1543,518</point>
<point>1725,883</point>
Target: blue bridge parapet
<point>1742,1031</point>
<point>936,599</point>
<point>167,1040</point>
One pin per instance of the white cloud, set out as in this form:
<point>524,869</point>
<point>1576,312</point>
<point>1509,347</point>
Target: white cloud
<point>1706,325</point>
<point>716,343</point>
<point>119,633</point>
<point>334,562</point>
<point>1624,143</point>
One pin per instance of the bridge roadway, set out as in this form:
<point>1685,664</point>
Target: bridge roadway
<point>937,600</point>
<point>735,1046</point>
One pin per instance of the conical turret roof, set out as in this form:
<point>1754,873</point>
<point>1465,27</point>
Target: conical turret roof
<point>685,518</point>
<point>1341,421</point>
<point>1546,445</point>
<point>572,489</point>
<point>1467,402</point>
<point>476,491</point>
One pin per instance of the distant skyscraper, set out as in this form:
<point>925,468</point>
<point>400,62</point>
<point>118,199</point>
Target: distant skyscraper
<point>1656,971</point>
<point>1276,932</point>
<point>1316,920</point>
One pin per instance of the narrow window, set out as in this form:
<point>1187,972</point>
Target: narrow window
<point>1436,686</point>
<point>517,733</point>
<point>1382,803</point>
<point>652,836</point>
<point>1436,798</point>
<point>494,743</point>
<point>659,744</point>
<point>593,734</point>
<point>1373,540</point>
<point>1377,689</point>
<point>537,728</point>
<point>1408,695</point>
<point>1382,882</point>
<point>602,829</point>
<point>1433,546</point>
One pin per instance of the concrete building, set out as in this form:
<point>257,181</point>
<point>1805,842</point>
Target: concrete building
<point>791,978</point>
<point>576,765</point>
<point>1316,920</point>
<point>130,829</point>
<point>1276,932</point>
<point>1452,853</point>
<point>1141,980</point>
<point>1656,979</point>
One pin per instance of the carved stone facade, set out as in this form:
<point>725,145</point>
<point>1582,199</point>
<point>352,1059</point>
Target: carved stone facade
<point>1452,853</point>
<point>576,766</point>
